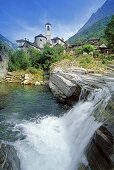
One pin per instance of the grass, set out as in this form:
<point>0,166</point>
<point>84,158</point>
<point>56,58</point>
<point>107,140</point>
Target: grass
<point>98,65</point>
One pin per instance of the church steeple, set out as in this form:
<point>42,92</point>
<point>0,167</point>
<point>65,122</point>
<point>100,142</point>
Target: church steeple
<point>48,32</point>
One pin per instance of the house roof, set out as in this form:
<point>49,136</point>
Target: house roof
<point>47,23</point>
<point>27,42</point>
<point>40,35</point>
<point>21,40</point>
<point>103,46</point>
<point>57,38</point>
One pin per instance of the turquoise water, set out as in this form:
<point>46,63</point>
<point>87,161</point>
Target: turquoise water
<point>24,103</point>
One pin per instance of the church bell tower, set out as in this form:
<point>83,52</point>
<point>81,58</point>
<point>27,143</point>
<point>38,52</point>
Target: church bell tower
<point>48,32</point>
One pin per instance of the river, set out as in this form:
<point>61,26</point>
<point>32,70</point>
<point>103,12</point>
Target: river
<point>45,135</point>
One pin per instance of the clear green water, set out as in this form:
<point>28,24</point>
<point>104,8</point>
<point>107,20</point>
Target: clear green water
<point>20,103</point>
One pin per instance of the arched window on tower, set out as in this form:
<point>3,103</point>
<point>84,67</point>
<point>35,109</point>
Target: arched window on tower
<point>48,28</point>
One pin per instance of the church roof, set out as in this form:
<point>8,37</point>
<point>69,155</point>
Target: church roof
<point>40,35</point>
<point>47,23</point>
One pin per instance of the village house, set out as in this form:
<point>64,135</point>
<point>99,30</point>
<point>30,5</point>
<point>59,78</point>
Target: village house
<point>40,40</point>
<point>58,41</point>
<point>93,41</point>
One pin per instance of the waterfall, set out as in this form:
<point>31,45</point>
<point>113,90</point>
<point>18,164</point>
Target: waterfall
<point>53,143</point>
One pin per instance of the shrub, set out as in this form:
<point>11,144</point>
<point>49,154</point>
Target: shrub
<point>104,61</point>
<point>32,70</point>
<point>88,48</point>
<point>78,51</point>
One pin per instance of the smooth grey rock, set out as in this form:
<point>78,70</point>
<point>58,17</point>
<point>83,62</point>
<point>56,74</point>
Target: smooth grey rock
<point>4,58</point>
<point>8,158</point>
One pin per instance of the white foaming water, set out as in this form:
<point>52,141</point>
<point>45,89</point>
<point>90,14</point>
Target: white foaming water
<point>45,147</point>
<point>59,143</point>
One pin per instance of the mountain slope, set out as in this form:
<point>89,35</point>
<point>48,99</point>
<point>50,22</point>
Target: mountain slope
<point>8,43</point>
<point>107,9</point>
<point>95,30</point>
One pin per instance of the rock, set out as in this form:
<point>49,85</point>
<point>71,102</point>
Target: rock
<point>8,158</point>
<point>9,73</point>
<point>27,80</point>
<point>100,150</point>
<point>27,77</point>
<point>4,58</point>
<point>37,83</point>
<point>65,85</point>
<point>82,167</point>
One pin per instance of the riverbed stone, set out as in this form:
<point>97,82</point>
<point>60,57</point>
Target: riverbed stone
<point>8,158</point>
<point>37,83</point>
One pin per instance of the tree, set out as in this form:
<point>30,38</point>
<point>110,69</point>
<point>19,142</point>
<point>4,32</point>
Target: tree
<point>88,48</point>
<point>109,33</point>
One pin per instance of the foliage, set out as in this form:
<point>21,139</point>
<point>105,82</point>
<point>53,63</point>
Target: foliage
<point>32,70</point>
<point>86,59</point>
<point>59,49</point>
<point>88,48</point>
<point>78,51</point>
<point>109,33</point>
<point>33,58</point>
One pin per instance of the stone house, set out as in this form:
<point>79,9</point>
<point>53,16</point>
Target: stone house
<point>93,41</point>
<point>25,44</point>
<point>58,41</point>
<point>40,40</point>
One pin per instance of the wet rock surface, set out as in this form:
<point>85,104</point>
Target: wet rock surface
<point>67,86</point>
<point>8,158</point>
<point>100,151</point>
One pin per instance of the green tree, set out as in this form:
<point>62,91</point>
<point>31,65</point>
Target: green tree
<point>88,48</point>
<point>109,33</point>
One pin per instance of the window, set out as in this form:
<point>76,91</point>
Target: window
<point>55,41</point>
<point>48,28</point>
<point>40,39</point>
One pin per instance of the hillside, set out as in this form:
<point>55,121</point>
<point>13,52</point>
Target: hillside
<point>95,26</point>
<point>107,9</point>
<point>8,43</point>
<point>96,30</point>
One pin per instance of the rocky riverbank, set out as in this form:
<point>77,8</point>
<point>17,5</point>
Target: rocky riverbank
<point>72,83</point>
<point>8,158</point>
<point>23,78</point>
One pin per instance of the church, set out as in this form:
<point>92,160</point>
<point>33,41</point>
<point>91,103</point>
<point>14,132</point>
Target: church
<point>40,40</point>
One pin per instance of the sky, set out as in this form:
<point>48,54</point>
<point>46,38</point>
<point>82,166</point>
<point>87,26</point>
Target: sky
<point>26,18</point>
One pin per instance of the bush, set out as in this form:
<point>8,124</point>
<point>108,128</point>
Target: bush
<point>78,51</point>
<point>104,61</point>
<point>32,70</point>
<point>11,66</point>
<point>86,59</point>
<point>88,48</point>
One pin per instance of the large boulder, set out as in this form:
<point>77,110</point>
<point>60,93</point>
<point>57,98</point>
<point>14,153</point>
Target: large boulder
<point>100,151</point>
<point>4,58</point>
<point>8,158</point>
<point>68,85</point>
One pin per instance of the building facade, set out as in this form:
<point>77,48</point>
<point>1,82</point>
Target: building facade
<point>48,32</point>
<point>40,40</point>
<point>58,41</point>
